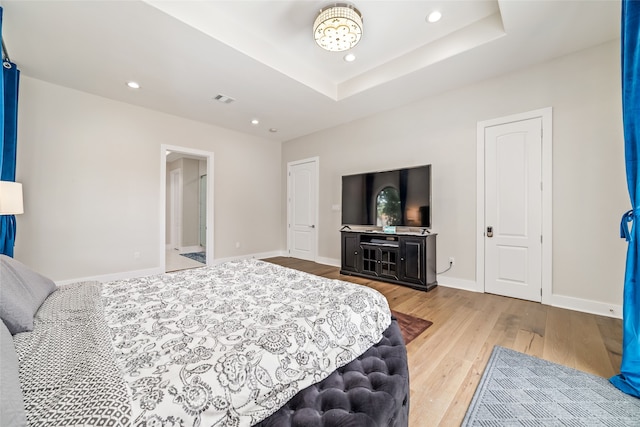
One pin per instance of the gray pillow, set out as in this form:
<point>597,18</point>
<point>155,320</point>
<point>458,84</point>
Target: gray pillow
<point>22,291</point>
<point>11,402</point>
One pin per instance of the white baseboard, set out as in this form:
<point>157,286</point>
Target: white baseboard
<point>186,249</point>
<point>560,301</point>
<point>152,271</point>
<point>587,306</point>
<point>261,255</point>
<point>272,254</point>
<point>463,284</point>
<point>113,276</point>
<point>328,261</point>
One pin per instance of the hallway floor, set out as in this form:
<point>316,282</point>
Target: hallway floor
<point>174,261</point>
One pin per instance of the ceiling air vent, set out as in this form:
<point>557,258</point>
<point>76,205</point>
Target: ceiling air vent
<point>224,99</point>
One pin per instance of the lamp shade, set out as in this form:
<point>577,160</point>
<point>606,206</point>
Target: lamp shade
<point>11,198</point>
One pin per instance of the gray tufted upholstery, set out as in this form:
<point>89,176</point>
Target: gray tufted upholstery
<point>371,391</point>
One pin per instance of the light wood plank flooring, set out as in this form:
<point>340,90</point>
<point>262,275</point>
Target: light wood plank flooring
<point>447,360</point>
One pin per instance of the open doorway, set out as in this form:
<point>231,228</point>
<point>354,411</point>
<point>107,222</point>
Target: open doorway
<point>187,223</point>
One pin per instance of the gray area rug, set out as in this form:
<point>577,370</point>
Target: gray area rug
<point>197,256</point>
<point>521,390</point>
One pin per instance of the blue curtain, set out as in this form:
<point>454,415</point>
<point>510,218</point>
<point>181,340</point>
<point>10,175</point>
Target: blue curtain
<point>8,133</point>
<point>629,378</point>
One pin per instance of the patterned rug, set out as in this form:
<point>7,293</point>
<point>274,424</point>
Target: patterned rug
<point>410,326</point>
<point>517,389</point>
<point>197,256</point>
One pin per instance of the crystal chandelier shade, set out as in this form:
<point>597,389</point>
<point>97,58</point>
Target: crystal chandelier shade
<point>338,27</point>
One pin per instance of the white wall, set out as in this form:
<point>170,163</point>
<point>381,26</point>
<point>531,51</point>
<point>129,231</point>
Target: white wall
<point>91,173</point>
<point>190,201</point>
<point>90,169</point>
<point>589,186</point>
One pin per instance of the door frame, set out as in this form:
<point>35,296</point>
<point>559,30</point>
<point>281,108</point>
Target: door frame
<point>163,199</point>
<point>547,196</point>
<point>200,219</point>
<point>175,197</point>
<point>316,161</point>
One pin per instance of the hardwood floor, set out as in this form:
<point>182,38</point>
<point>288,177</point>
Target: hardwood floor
<point>447,360</point>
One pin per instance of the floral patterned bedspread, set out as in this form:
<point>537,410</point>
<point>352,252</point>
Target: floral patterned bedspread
<point>229,345</point>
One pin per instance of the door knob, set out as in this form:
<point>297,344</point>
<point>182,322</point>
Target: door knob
<point>489,231</point>
<point>312,226</point>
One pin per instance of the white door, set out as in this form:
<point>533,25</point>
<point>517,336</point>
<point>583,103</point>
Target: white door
<point>302,209</point>
<point>513,209</point>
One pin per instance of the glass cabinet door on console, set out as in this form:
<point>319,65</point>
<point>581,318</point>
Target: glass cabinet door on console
<point>369,260</point>
<point>388,263</point>
<point>380,261</point>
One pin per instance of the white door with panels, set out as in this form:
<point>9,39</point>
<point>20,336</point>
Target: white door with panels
<point>513,209</point>
<point>302,188</point>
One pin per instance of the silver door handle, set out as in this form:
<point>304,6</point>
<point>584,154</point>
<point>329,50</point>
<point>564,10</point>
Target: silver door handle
<point>489,231</point>
<point>312,226</point>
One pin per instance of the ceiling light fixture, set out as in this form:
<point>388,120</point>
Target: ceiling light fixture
<point>338,27</point>
<point>133,85</point>
<point>255,121</point>
<point>349,57</point>
<point>434,16</point>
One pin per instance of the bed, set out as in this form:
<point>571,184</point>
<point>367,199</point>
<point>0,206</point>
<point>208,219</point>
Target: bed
<point>242,343</point>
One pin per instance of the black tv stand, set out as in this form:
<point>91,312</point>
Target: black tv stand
<point>407,259</point>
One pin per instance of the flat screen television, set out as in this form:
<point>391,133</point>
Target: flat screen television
<point>400,197</point>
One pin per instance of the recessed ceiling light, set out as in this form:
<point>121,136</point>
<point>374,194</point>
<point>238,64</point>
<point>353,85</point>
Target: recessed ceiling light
<point>255,121</point>
<point>133,85</point>
<point>434,16</point>
<point>349,57</point>
<point>273,130</point>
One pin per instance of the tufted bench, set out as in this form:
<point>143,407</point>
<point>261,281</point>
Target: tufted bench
<point>371,391</point>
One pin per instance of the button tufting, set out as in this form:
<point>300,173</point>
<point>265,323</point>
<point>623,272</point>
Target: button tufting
<point>371,390</point>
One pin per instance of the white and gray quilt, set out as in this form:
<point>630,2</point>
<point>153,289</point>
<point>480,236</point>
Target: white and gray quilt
<point>229,345</point>
<point>68,371</point>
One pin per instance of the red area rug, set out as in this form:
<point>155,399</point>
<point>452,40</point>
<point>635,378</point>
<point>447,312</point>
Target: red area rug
<point>410,326</point>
